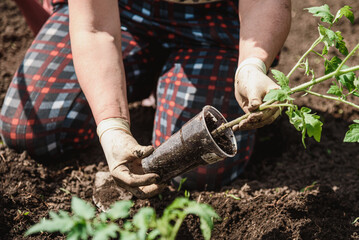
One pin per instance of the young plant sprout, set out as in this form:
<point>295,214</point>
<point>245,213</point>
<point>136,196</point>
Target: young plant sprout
<point>83,223</point>
<point>345,83</point>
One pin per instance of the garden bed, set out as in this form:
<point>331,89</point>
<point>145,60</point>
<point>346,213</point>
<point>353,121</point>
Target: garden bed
<point>287,192</point>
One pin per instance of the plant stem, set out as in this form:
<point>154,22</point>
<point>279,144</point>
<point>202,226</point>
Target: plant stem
<point>177,226</point>
<point>348,56</point>
<point>275,105</point>
<point>316,42</point>
<point>230,124</point>
<point>238,120</point>
<point>304,86</point>
<point>332,98</point>
<point>320,55</point>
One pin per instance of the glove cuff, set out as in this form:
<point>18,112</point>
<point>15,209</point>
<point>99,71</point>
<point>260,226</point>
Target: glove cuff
<point>253,61</point>
<point>113,123</point>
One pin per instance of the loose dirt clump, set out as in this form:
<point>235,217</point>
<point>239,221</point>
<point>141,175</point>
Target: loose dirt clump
<point>286,192</point>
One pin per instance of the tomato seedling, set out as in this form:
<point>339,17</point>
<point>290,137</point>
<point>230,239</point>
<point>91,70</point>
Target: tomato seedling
<point>345,82</point>
<point>83,222</point>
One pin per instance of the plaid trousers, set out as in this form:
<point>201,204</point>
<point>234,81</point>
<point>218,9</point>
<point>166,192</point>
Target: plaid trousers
<point>190,51</point>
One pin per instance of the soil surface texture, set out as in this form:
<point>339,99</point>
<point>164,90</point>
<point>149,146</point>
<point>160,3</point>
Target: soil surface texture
<point>286,192</point>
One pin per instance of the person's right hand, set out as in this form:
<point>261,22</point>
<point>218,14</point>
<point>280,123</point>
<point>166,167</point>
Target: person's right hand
<point>251,85</point>
<point>124,155</point>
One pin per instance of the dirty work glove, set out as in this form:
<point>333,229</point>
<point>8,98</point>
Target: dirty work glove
<point>251,85</point>
<point>123,155</point>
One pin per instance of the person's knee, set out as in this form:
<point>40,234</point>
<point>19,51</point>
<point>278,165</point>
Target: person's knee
<point>37,140</point>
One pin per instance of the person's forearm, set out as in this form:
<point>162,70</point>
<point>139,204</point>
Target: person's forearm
<point>96,49</point>
<point>100,71</point>
<point>264,27</point>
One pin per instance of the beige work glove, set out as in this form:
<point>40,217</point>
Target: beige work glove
<point>123,155</point>
<point>251,85</point>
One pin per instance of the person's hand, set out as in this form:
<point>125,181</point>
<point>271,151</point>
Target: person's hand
<point>123,155</point>
<point>251,85</point>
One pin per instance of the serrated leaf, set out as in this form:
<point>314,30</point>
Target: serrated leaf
<point>142,220</point>
<point>323,12</point>
<point>335,90</point>
<point>82,209</point>
<point>106,232</point>
<point>282,79</point>
<point>345,11</point>
<point>340,44</point>
<point>277,95</point>
<point>120,209</point>
<point>295,118</point>
<point>61,222</point>
<point>347,79</point>
<point>329,38</point>
<point>352,135</point>
<point>332,64</point>
<point>206,215</point>
<point>313,125</point>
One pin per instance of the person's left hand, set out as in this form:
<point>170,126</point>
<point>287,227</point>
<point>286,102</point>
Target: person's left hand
<point>251,85</point>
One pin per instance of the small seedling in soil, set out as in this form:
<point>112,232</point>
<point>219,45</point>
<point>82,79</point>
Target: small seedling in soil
<point>345,84</point>
<point>356,220</point>
<point>180,184</point>
<point>84,224</point>
<point>187,194</point>
<point>232,196</point>
<point>23,213</point>
<point>66,191</point>
<point>310,187</point>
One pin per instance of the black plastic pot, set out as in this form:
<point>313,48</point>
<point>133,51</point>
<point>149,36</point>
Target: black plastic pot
<point>191,146</point>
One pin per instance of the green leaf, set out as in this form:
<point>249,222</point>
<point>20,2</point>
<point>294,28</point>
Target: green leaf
<point>295,118</point>
<point>142,220</point>
<point>325,50</point>
<point>283,81</point>
<point>347,79</point>
<point>344,11</point>
<point>127,235</point>
<point>154,234</point>
<point>277,95</point>
<point>356,83</point>
<point>332,65</point>
<point>340,44</point>
<point>206,215</point>
<point>323,12</point>
<point>335,90</point>
<point>352,135</point>
<point>60,222</point>
<point>313,125</point>
<point>82,209</point>
<point>120,209</point>
<point>329,38</point>
<point>183,180</point>
<point>106,231</point>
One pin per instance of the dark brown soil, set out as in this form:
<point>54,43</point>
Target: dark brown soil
<point>221,139</point>
<point>286,192</point>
